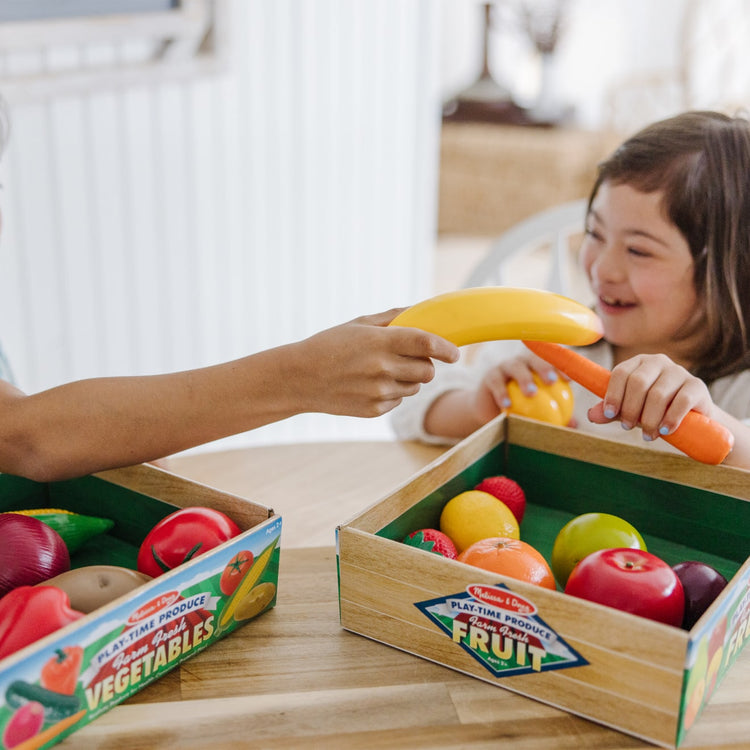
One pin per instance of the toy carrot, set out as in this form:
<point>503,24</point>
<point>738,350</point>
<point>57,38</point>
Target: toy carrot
<point>697,436</point>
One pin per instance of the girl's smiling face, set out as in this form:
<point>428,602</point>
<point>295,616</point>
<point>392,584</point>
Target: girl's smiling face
<point>640,268</point>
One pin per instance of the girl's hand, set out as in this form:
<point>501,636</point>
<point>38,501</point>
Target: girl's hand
<point>492,394</point>
<point>654,392</point>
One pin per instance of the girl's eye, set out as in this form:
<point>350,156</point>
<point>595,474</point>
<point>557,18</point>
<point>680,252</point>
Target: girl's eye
<point>589,232</point>
<point>639,253</point>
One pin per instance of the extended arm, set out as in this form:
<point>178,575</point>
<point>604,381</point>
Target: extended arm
<point>361,368</point>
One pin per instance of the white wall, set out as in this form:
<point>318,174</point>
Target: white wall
<point>171,225</point>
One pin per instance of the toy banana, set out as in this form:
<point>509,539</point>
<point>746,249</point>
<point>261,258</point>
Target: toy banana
<point>488,313</point>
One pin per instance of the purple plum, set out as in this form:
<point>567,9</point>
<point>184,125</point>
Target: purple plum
<point>701,584</point>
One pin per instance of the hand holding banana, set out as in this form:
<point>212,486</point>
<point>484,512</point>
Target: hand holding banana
<point>469,316</point>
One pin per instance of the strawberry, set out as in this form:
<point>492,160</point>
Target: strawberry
<point>432,540</point>
<point>507,491</point>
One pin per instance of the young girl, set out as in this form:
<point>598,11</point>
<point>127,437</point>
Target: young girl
<point>361,368</point>
<point>667,256</point>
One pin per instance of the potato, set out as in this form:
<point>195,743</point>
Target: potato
<point>94,586</point>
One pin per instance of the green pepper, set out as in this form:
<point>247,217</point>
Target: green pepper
<point>74,528</point>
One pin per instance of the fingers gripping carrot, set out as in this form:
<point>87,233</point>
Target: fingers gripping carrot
<point>697,436</point>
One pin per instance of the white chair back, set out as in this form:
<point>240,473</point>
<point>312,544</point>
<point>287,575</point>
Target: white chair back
<point>550,231</point>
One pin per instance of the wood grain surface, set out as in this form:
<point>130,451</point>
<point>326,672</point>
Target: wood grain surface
<point>313,486</point>
<point>294,678</point>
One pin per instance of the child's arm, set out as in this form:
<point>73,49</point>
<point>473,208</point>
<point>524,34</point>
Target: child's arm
<point>361,368</point>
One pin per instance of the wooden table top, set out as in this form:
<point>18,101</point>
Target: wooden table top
<point>294,679</point>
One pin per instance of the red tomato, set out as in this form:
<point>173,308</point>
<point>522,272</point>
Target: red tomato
<point>235,571</point>
<point>181,536</point>
<point>632,580</point>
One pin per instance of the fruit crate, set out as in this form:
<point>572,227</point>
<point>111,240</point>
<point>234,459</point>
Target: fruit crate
<point>642,677</point>
<point>137,638</point>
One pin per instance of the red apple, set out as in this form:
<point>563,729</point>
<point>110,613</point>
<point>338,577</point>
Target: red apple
<point>702,584</point>
<point>507,491</point>
<point>631,580</point>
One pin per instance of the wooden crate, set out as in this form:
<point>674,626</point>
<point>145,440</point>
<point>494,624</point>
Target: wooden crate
<point>139,637</point>
<point>642,677</point>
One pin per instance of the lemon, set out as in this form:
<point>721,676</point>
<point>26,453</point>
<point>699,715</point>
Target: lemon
<point>475,515</point>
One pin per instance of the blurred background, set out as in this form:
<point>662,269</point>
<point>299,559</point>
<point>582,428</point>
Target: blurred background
<point>189,181</point>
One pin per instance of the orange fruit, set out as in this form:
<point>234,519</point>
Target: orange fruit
<point>561,391</point>
<point>474,515</point>
<point>553,402</point>
<point>512,558</point>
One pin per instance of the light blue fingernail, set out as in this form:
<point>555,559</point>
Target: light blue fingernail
<point>550,376</point>
<point>505,403</point>
<point>609,412</point>
<point>647,438</point>
<point>532,389</point>
<point>626,426</point>
<point>664,430</point>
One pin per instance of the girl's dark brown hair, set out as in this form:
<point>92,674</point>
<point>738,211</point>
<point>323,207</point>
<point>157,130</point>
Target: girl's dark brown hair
<point>701,163</point>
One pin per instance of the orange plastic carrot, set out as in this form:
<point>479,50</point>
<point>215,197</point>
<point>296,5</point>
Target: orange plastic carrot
<point>697,436</point>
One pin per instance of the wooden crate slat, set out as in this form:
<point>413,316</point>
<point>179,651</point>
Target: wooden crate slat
<point>629,712</point>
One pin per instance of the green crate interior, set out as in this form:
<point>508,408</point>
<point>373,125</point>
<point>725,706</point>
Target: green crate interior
<point>677,522</point>
<point>134,514</point>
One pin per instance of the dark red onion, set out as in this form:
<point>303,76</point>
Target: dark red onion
<point>30,552</point>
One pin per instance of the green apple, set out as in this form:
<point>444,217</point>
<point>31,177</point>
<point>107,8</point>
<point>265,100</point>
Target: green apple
<point>588,533</point>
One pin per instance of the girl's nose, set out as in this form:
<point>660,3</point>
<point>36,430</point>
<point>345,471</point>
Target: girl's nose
<point>606,266</point>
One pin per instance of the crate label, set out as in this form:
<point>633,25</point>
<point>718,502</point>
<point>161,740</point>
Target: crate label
<point>501,630</point>
<point>111,657</point>
<point>153,639</point>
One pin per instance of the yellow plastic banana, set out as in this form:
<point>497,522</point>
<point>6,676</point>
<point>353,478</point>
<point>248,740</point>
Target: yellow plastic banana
<point>489,313</point>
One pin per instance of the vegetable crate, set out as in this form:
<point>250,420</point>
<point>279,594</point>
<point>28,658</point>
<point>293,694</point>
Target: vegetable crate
<point>642,677</point>
<point>135,639</point>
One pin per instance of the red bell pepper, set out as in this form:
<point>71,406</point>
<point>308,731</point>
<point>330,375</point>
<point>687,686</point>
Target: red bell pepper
<point>28,613</point>
<point>60,673</point>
